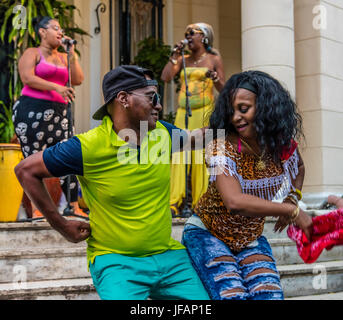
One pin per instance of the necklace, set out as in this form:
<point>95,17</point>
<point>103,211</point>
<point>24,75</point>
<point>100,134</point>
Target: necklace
<point>200,59</point>
<point>260,163</point>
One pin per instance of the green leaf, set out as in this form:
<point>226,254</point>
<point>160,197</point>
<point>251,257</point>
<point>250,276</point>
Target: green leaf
<point>6,124</point>
<point>4,26</point>
<point>49,8</point>
<point>12,35</point>
<point>29,18</point>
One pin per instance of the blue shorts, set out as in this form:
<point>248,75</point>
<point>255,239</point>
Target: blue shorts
<point>232,279</point>
<point>169,275</point>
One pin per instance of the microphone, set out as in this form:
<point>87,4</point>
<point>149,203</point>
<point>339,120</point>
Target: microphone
<point>183,43</point>
<point>69,42</point>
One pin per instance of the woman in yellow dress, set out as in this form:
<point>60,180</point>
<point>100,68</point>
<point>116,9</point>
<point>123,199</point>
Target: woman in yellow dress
<point>204,68</point>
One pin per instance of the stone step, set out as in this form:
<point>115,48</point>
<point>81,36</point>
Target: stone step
<point>311,279</point>
<point>285,252</point>
<point>178,226</point>
<point>40,234</point>
<point>43,264</point>
<point>326,296</point>
<point>71,262</point>
<point>22,235</point>
<point>42,255</point>
<point>61,289</point>
<point>297,281</point>
<point>268,230</point>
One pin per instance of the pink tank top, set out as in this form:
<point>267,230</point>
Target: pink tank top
<point>49,72</point>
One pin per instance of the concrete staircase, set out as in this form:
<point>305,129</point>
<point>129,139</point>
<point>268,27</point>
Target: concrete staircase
<point>302,281</point>
<point>36,262</point>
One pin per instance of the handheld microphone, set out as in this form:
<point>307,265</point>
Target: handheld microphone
<point>184,42</point>
<point>69,42</point>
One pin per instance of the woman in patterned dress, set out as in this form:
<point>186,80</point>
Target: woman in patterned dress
<point>40,114</point>
<point>256,162</point>
<point>205,71</point>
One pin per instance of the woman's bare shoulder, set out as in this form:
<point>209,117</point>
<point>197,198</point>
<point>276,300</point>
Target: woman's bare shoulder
<point>30,54</point>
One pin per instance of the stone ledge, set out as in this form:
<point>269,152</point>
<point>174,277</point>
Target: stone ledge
<point>47,288</point>
<point>297,269</point>
<point>43,252</point>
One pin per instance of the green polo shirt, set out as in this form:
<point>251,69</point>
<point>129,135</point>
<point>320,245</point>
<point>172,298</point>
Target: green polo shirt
<point>126,189</point>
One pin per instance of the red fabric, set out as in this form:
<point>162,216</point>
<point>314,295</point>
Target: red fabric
<point>327,232</point>
<point>286,153</point>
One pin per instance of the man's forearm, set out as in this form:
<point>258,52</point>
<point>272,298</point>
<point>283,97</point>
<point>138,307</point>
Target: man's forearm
<point>39,195</point>
<point>31,179</point>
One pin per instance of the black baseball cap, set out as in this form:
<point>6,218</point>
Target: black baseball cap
<point>123,78</point>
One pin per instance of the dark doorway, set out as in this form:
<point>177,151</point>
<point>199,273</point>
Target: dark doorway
<point>137,20</point>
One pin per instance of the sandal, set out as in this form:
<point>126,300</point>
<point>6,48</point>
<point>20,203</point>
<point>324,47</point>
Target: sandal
<point>37,216</point>
<point>75,212</point>
<point>336,201</point>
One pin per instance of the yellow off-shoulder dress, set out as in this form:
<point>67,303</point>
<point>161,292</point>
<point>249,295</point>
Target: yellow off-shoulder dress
<point>201,103</point>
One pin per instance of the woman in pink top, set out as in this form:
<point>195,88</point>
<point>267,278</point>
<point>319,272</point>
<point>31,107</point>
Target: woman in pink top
<point>40,115</point>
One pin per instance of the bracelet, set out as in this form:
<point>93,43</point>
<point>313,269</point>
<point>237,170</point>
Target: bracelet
<point>298,194</point>
<point>295,214</point>
<point>292,198</point>
<point>173,61</point>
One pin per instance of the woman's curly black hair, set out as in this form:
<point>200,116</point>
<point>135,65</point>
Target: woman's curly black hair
<point>277,120</point>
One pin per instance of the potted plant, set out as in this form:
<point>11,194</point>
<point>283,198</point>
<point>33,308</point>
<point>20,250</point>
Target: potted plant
<point>11,192</point>
<point>153,54</point>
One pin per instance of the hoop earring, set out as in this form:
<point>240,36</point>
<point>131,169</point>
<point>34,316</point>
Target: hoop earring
<point>205,41</point>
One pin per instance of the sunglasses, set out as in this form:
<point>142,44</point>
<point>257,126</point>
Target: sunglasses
<point>155,97</point>
<point>192,32</point>
<point>56,28</point>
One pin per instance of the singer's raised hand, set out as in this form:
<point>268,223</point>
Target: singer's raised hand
<point>71,47</point>
<point>177,49</point>
<point>179,46</point>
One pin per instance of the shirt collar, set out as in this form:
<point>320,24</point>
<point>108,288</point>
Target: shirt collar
<point>116,141</point>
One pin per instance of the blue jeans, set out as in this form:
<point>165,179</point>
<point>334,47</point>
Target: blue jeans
<point>225,274</point>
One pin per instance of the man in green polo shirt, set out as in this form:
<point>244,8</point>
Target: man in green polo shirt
<point>124,172</point>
